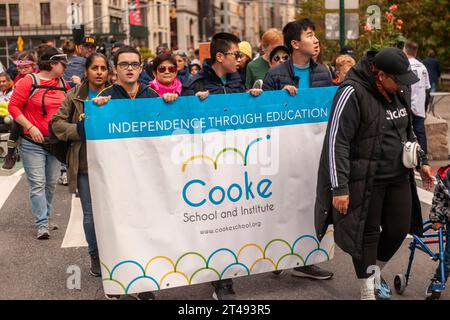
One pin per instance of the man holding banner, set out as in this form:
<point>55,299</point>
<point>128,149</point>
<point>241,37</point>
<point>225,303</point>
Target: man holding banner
<point>220,77</point>
<point>128,65</point>
<point>300,72</point>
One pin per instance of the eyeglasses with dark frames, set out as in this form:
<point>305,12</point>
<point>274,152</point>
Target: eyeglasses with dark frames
<point>237,54</point>
<point>125,65</point>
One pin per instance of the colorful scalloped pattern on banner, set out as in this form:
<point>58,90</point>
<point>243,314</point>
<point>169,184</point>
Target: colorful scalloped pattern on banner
<point>174,265</point>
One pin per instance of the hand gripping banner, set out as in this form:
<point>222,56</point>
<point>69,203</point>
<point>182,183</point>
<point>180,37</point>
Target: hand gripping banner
<point>198,191</point>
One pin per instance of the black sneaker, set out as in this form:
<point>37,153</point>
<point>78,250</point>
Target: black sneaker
<point>95,270</point>
<point>224,293</point>
<point>10,162</point>
<point>312,271</point>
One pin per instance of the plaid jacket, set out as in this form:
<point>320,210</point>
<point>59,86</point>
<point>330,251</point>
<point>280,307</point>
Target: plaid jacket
<point>440,207</point>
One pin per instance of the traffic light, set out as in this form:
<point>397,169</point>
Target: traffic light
<point>173,13</point>
<point>78,35</point>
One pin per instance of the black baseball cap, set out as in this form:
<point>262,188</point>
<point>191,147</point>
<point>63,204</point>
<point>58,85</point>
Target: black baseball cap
<point>278,48</point>
<point>394,62</point>
<point>88,41</point>
<point>53,54</point>
<point>348,50</point>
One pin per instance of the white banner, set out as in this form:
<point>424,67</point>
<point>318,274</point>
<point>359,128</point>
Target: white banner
<point>200,191</point>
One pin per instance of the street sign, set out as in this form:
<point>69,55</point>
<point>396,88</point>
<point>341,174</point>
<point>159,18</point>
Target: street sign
<point>332,26</point>
<point>334,4</point>
<point>19,43</point>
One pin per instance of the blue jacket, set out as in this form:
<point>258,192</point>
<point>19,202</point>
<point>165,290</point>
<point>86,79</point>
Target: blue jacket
<point>283,75</point>
<point>75,67</point>
<point>116,91</point>
<point>184,75</point>
<point>432,66</point>
<point>145,78</point>
<point>207,80</point>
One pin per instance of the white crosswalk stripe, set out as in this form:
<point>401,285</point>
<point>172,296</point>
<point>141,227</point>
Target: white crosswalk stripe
<point>74,236</point>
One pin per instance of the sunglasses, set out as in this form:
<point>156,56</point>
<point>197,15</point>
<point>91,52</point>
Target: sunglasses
<point>278,58</point>
<point>162,69</point>
<point>237,54</point>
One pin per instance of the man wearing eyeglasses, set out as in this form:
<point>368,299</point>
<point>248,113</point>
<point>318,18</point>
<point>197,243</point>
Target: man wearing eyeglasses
<point>221,76</point>
<point>128,66</point>
<point>218,78</point>
<point>300,71</point>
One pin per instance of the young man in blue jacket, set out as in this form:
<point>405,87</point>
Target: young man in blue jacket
<point>300,71</point>
<point>220,76</point>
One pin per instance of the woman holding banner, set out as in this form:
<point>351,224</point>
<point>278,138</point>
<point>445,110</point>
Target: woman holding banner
<point>364,188</point>
<point>166,82</point>
<point>65,127</point>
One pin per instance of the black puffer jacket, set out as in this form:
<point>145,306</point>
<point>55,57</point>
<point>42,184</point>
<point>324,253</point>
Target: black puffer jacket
<point>283,75</point>
<point>207,80</point>
<point>357,124</point>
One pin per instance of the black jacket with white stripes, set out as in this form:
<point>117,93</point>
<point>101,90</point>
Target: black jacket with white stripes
<point>351,154</point>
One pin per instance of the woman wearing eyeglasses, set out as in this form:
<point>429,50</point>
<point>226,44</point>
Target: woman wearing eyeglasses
<point>34,102</point>
<point>26,64</point>
<point>166,82</point>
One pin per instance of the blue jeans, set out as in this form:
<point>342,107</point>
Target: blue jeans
<point>88,218</point>
<point>433,87</point>
<point>42,170</point>
<point>446,255</point>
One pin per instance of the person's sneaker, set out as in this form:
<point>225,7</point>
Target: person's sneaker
<point>43,233</point>
<point>367,288</point>
<point>224,293</point>
<point>312,271</point>
<point>52,226</point>
<point>148,295</point>
<point>430,293</point>
<point>63,178</point>
<point>382,290</point>
<point>10,162</point>
<point>95,270</point>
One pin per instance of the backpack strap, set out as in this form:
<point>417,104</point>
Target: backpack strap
<point>34,86</point>
<point>37,85</point>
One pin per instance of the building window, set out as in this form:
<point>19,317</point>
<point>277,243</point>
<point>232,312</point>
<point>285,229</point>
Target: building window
<point>3,15</point>
<point>116,25</point>
<point>158,12</point>
<point>45,14</point>
<point>98,24</point>
<point>13,14</point>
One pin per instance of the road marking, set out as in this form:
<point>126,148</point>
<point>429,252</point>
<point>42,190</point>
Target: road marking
<point>7,185</point>
<point>74,236</point>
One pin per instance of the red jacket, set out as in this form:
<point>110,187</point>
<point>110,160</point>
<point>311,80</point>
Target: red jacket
<point>32,108</point>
